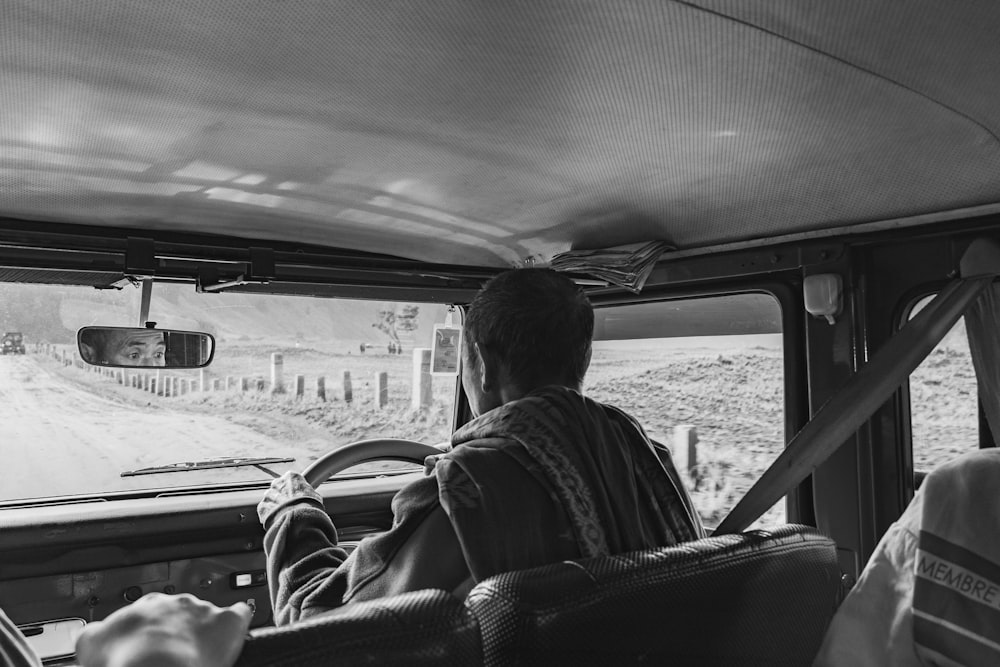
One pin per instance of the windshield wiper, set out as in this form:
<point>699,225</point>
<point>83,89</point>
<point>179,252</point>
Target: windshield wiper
<point>232,462</point>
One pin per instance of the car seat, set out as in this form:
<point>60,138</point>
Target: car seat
<point>428,627</point>
<point>756,598</point>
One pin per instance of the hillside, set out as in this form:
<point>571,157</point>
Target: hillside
<point>54,313</point>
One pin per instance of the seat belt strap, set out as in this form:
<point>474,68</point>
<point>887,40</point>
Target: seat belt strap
<point>856,401</point>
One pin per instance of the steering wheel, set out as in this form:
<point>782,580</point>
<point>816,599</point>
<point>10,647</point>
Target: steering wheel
<point>363,451</point>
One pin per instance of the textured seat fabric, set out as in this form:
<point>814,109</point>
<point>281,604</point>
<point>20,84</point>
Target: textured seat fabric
<point>757,598</point>
<point>428,627</point>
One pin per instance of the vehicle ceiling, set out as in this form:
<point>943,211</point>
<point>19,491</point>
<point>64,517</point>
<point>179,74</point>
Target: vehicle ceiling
<point>488,133</point>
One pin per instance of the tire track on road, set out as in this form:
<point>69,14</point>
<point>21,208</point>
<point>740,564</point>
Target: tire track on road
<point>56,438</point>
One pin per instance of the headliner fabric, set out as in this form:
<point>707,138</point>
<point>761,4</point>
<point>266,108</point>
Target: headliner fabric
<point>496,133</point>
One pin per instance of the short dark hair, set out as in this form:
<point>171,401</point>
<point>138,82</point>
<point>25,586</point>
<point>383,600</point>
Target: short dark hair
<point>537,321</point>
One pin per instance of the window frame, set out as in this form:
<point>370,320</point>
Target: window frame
<point>787,292</point>
<point>985,435</point>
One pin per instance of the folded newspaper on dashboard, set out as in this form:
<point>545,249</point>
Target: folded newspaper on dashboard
<point>627,266</point>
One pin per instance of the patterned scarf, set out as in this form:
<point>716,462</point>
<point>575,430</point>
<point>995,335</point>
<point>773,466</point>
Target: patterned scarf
<point>594,463</point>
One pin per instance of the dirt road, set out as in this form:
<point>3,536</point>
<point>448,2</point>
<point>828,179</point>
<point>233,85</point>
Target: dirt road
<point>58,438</point>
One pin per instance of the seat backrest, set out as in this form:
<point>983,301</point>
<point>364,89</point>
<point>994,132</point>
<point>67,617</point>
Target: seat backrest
<point>429,627</point>
<point>761,597</point>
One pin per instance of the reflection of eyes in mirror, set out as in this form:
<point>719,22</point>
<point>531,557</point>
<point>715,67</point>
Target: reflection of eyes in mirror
<point>139,350</point>
<point>144,348</point>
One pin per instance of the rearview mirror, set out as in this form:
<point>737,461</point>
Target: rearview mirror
<point>145,348</point>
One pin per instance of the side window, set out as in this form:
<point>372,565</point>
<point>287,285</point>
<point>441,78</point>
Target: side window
<point>944,404</point>
<point>705,377</point>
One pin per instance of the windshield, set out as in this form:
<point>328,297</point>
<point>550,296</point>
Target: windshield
<point>292,378</point>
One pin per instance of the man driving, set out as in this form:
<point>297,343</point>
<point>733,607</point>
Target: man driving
<point>542,473</point>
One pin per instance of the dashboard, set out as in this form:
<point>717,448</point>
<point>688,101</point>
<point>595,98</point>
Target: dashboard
<point>66,564</point>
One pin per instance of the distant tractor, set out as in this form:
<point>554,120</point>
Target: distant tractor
<point>12,343</point>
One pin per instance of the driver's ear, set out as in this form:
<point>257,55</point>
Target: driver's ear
<point>89,353</point>
<point>489,367</point>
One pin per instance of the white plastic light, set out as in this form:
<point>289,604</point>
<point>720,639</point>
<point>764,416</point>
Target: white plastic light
<point>823,295</point>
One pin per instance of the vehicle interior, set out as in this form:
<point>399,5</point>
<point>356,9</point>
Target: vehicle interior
<point>780,212</point>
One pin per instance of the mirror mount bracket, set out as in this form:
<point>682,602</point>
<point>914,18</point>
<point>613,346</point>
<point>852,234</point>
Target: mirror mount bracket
<point>140,257</point>
<point>147,295</point>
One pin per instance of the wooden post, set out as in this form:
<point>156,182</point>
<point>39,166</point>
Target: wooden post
<point>685,449</point>
<point>300,386</point>
<point>230,383</point>
<point>321,388</point>
<point>202,380</point>
<point>260,384</point>
<point>421,391</point>
<point>348,393</point>
<point>244,384</point>
<point>277,373</point>
<point>381,389</point>
<point>216,384</point>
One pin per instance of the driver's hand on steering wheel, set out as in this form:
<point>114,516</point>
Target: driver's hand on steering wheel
<point>289,489</point>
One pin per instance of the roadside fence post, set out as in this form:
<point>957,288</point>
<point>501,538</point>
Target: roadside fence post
<point>685,449</point>
<point>421,390</point>
<point>381,389</point>
<point>300,386</point>
<point>321,388</point>
<point>277,373</point>
<point>202,380</point>
<point>348,393</point>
